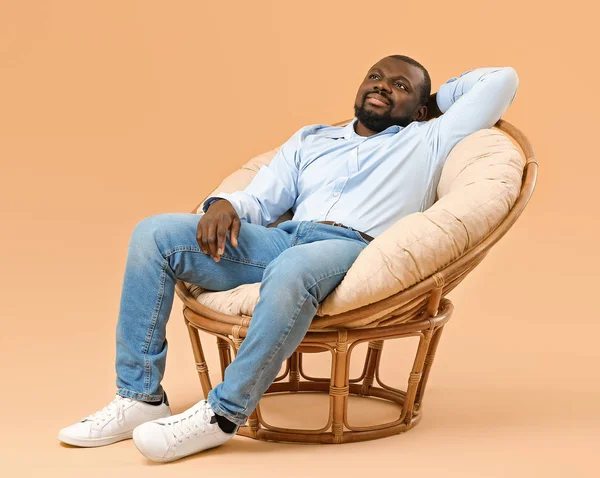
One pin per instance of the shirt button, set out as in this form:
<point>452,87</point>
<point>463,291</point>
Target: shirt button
<point>336,194</point>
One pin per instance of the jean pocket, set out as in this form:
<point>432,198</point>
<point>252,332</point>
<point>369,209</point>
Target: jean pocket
<point>359,236</point>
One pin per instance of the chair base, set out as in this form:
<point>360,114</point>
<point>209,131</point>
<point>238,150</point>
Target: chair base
<point>325,437</point>
<point>339,386</point>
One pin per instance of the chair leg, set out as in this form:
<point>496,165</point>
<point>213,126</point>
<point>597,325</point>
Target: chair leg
<point>428,363</point>
<point>201,365</point>
<point>294,377</point>
<point>253,421</point>
<point>371,361</point>
<point>340,387</point>
<point>415,377</point>
<point>224,355</point>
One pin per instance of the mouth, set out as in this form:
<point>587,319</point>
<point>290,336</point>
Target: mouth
<point>377,100</point>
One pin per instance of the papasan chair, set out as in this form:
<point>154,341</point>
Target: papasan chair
<point>396,288</point>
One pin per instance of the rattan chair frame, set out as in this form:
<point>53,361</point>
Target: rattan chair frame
<point>418,311</point>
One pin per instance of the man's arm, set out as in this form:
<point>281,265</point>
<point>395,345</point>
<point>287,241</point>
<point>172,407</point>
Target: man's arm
<point>272,191</point>
<point>474,101</point>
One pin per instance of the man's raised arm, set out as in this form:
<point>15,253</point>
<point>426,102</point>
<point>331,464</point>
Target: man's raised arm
<point>272,191</point>
<point>474,101</point>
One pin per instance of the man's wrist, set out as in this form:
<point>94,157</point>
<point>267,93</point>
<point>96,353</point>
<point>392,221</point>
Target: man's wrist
<point>211,202</point>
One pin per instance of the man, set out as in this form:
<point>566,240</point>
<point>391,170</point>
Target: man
<point>365,176</point>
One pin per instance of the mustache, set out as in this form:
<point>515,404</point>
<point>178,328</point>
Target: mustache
<point>387,98</point>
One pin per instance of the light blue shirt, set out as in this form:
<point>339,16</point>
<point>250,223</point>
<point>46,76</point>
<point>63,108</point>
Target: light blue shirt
<point>330,173</point>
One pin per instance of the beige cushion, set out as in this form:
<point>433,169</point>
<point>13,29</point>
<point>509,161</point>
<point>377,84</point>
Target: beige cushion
<point>479,183</point>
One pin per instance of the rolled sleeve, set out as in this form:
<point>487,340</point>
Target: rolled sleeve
<point>476,100</point>
<point>272,191</point>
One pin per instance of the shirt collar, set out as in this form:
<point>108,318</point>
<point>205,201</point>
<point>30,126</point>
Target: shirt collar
<point>347,132</point>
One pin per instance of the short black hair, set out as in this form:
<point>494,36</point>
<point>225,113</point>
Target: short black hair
<point>426,86</point>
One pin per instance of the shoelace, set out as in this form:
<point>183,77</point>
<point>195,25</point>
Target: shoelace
<point>117,405</point>
<point>198,420</point>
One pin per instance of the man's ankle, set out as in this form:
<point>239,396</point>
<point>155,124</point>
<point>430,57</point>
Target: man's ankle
<point>225,425</point>
<point>164,400</point>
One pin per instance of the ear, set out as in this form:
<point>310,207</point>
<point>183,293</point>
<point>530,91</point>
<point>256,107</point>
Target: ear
<point>421,113</point>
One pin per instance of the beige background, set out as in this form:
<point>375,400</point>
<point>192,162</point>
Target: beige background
<point>116,110</point>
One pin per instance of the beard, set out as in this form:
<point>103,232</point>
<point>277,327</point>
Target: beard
<point>379,121</point>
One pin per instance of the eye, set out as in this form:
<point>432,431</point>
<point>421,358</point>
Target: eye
<point>397,83</point>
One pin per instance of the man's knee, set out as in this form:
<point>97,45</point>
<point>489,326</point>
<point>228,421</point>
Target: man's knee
<point>158,229</point>
<point>159,224</point>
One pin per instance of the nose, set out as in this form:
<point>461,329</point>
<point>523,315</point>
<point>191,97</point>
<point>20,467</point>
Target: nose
<point>382,86</point>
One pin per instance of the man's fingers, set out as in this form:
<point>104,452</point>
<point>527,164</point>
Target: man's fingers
<point>222,235</point>
<point>212,235</point>
<point>211,239</point>
<point>199,236</point>
<point>235,232</point>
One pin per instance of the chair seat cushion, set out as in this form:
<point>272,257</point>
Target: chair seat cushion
<point>479,183</point>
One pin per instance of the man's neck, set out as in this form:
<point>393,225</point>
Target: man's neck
<point>361,130</point>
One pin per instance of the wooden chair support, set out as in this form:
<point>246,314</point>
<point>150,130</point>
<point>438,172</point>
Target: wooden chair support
<point>339,386</point>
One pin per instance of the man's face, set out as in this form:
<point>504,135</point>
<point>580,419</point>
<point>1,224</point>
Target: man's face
<point>398,85</point>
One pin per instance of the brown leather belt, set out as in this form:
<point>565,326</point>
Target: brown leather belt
<point>365,236</point>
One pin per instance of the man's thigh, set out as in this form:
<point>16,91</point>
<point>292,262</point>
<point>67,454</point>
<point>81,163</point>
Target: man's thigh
<point>175,235</point>
<point>318,266</point>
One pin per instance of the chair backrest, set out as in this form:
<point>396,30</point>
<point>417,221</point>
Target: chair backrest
<point>484,186</point>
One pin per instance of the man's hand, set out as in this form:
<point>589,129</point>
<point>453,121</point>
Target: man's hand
<point>433,111</point>
<point>211,234</point>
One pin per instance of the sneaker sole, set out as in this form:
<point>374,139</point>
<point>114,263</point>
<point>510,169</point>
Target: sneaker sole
<point>93,442</point>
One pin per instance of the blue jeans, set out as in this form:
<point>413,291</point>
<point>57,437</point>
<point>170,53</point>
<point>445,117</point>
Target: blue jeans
<point>298,263</point>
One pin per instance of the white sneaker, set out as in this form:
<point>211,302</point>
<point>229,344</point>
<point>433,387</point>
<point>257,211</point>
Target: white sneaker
<point>115,422</point>
<point>172,438</point>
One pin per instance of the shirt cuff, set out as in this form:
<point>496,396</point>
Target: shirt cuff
<point>444,96</point>
<point>209,201</point>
